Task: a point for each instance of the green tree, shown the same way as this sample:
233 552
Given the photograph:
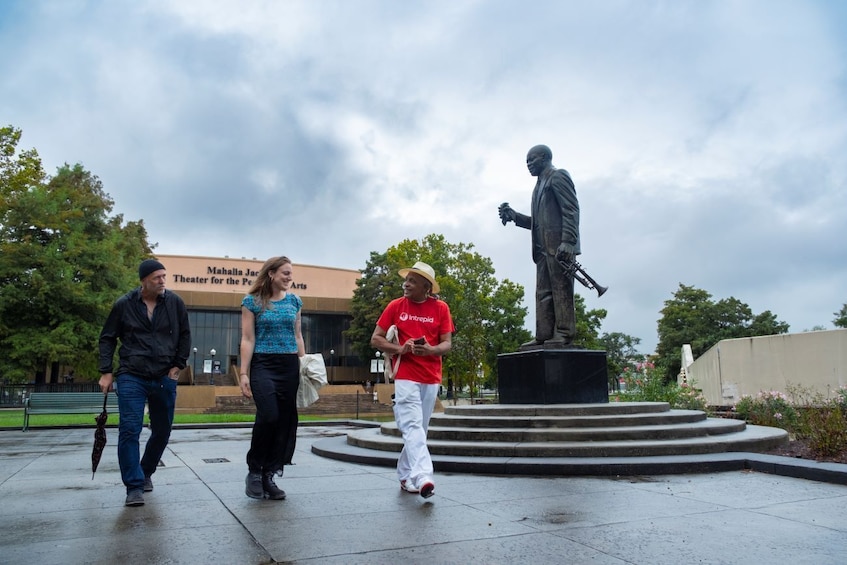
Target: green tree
840 320
505 328
377 286
63 261
621 353
588 323
692 317
767 324
488 315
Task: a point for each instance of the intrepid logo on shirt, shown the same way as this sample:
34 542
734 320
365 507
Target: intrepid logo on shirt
404 316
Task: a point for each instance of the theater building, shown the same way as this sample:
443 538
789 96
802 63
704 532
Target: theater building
213 288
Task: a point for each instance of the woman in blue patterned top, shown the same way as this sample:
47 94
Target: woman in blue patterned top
271 347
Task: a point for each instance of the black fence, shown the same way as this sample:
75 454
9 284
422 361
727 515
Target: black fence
12 396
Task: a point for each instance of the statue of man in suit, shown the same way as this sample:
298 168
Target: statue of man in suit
554 222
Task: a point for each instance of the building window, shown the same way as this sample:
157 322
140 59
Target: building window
221 331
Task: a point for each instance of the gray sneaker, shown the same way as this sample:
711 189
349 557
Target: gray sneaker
134 498
254 488
148 484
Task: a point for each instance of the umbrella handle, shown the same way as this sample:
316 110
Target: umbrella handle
105 398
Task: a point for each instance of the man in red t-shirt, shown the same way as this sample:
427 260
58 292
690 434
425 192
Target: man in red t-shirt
424 331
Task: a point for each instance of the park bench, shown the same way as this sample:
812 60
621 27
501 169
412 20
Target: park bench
67 403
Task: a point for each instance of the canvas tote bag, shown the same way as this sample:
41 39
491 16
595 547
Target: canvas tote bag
392 362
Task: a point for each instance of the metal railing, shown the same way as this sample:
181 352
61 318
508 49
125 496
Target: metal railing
13 396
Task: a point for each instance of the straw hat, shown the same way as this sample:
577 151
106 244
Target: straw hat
423 270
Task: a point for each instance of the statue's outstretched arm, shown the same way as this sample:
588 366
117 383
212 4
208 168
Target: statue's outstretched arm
507 214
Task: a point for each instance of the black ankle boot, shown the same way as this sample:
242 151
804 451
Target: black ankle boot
254 485
271 490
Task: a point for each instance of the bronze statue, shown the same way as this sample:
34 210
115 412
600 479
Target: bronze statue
554 222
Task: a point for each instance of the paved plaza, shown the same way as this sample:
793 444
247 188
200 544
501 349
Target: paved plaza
52 512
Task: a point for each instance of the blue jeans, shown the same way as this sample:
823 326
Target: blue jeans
133 392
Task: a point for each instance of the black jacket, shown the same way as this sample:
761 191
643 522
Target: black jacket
149 348
555 216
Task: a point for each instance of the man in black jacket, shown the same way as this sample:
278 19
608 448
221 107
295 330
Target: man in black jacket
152 326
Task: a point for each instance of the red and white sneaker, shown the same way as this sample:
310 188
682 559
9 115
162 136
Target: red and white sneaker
407 486
427 488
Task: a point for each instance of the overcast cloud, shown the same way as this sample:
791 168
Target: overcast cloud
707 140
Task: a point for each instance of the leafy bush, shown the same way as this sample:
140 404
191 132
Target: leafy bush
645 384
824 427
690 398
809 415
823 420
768 408
841 398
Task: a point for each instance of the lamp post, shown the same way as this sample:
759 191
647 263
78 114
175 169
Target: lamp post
331 366
376 378
212 377
193 365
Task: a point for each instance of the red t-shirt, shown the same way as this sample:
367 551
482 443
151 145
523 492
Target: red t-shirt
429 319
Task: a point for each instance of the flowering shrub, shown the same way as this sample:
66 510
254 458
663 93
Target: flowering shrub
645 384
841 398
825 427
768 408
690 398
823 420
809 415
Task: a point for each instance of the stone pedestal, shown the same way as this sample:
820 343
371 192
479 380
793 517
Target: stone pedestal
553 376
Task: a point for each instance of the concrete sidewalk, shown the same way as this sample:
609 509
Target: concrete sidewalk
51 511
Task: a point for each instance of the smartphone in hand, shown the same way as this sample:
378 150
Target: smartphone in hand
420 341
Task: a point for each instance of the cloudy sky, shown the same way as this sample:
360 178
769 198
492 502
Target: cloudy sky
707 139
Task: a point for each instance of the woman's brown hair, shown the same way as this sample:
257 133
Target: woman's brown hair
262 289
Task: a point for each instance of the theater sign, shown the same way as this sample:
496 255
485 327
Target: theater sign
228 275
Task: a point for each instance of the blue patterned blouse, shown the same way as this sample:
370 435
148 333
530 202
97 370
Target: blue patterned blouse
275 325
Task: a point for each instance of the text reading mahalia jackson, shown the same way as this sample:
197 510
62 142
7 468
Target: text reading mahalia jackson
218 275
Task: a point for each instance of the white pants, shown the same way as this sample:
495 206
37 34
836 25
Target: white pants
413 405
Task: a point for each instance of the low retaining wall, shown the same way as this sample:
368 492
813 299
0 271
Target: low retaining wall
195 399
335 400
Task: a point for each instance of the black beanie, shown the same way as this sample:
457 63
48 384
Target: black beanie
148 266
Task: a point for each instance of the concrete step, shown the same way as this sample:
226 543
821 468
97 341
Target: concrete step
339 449
480 434
703 427
584 421
234 404
751 438
557 410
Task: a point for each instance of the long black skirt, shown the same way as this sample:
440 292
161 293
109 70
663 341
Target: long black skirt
274 379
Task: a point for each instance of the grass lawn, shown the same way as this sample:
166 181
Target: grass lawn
15 419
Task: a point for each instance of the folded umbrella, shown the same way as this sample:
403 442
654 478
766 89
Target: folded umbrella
99 437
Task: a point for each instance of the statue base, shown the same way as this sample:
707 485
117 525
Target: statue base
553 376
